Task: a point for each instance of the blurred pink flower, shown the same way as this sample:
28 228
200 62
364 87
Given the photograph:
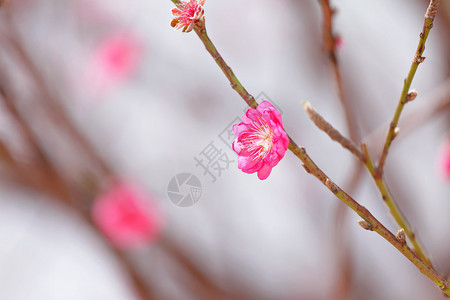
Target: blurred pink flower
444 160
260 140
187 13
113 60
126 216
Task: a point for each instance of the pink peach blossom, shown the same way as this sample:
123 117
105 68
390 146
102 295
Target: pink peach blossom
113 60
126 216
260 140
187 13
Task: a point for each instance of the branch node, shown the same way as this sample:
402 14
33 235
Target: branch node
432 10
401 237
306 169
365 225
331 185
411 96
419 59
333 133
445 286
396 132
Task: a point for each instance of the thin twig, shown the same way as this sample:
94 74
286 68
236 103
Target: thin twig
10 163
433 105
395 210
53 105
329 45
235 84
206 288
43 173
31 176
45 183
405 97
342 250
418 58
333 133
28 134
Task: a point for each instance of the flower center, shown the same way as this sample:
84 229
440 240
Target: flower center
259 141
190 10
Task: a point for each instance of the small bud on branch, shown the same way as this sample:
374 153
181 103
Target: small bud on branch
401 237
396 132
365 225
330 184
411 96
419 59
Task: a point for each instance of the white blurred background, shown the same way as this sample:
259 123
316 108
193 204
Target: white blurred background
273 239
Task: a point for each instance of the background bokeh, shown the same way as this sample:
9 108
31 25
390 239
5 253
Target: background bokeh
283 238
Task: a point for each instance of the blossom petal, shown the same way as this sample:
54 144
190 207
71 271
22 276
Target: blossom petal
247 165
239 128
237 147
251 115
267 106
125 216
264 172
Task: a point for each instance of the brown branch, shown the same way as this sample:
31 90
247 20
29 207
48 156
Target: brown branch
433 105
382 187
52 104
30 137
44 178
333 133
42 173
329 45
205 287
200 30
9 162
342 249
418 59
